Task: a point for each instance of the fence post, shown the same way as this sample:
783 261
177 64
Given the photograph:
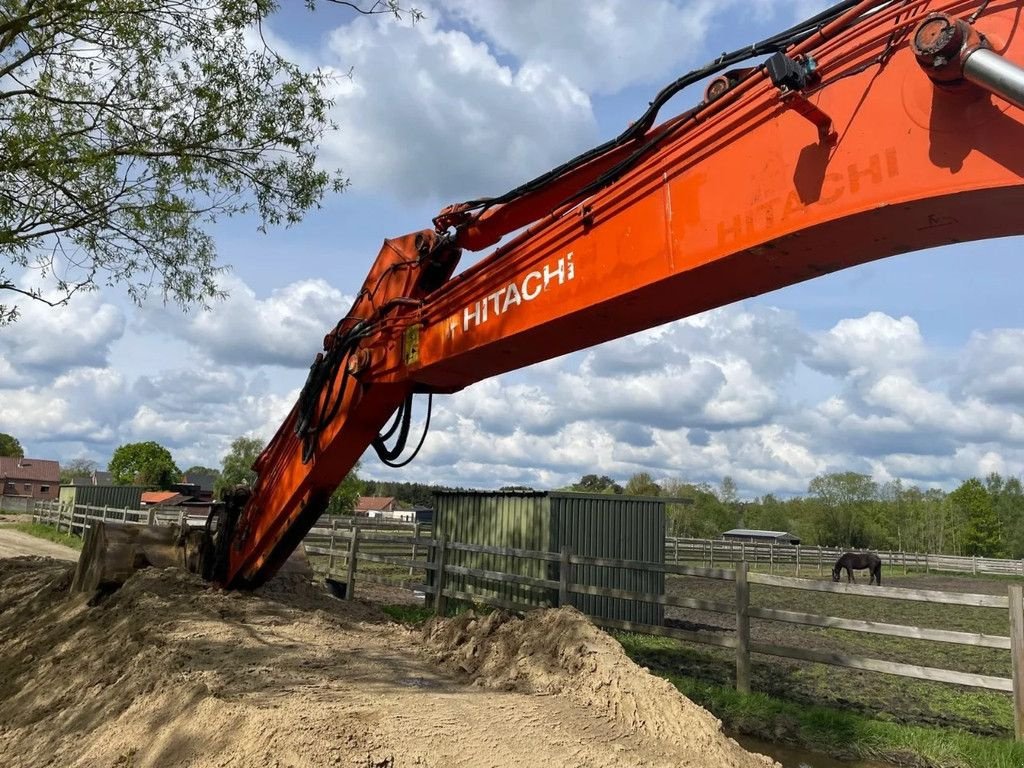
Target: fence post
350 578
771 557
415 538
974 564
819 559
151 516
798 561
711 554
563 577
742 629
440 601
330 556
677 550
1016 595
927 568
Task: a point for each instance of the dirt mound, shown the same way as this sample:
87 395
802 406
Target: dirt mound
560 651
171 672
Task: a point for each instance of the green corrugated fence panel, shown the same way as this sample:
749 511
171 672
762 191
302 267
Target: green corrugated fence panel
630 528
502 519
591 525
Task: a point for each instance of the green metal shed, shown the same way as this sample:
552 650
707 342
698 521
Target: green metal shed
591 525
113 496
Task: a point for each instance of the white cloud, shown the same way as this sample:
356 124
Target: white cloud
992 366
868 346
601 46
47 341
429 112
286 328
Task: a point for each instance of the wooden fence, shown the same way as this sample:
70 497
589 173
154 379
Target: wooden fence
771 556
678 550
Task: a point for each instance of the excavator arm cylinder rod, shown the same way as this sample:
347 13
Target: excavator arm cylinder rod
996 74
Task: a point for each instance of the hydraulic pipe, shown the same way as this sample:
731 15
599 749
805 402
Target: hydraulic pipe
996 74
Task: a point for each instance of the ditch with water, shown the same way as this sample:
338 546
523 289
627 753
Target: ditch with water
795 757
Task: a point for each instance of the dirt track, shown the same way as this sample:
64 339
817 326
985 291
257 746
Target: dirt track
172 672
15 544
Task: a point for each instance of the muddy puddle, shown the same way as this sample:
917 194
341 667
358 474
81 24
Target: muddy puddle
794 757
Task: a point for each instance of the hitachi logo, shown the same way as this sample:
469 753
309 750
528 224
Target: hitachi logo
514 294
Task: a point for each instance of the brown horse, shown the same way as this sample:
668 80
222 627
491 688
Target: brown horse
859 561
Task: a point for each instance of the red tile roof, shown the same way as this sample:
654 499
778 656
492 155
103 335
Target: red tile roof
374 503
166 498
42 470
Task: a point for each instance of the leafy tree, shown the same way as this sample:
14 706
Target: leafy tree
974 507
729 495
596 484
77 468
642 484
407 494
148 464
703 517
343 500
845 500
130 125
768 514
198 469
1007 497
9 445
236 466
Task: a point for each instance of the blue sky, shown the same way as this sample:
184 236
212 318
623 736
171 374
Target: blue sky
908 368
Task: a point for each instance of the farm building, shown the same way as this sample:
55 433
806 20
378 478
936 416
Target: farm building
749 536
374 506
591 525
29 478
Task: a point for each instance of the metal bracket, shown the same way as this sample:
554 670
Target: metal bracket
810 111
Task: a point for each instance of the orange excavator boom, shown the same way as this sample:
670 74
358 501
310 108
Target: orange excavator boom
876 128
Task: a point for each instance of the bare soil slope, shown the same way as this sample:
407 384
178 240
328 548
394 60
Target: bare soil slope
172 672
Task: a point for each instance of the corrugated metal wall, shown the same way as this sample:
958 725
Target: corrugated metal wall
593 525
113 496
521 520
602 525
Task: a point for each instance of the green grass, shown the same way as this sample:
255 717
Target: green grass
413 615
841 734
49 533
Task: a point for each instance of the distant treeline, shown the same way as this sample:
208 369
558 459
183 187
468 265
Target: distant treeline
842 509
981 517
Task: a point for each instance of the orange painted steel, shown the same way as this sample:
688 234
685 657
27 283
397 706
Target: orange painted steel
743 197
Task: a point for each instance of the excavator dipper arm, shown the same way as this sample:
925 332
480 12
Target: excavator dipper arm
888 127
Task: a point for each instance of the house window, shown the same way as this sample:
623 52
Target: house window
9 488
27 486
44 489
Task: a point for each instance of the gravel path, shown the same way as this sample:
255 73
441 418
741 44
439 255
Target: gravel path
15 544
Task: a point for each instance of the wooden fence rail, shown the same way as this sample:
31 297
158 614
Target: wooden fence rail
758 555
772 556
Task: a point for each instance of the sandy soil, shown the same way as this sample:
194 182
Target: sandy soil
170 672
15 543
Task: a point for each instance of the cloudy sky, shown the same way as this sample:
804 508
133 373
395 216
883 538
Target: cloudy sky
909 368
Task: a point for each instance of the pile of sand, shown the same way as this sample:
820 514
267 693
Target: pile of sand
170 671
561 652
